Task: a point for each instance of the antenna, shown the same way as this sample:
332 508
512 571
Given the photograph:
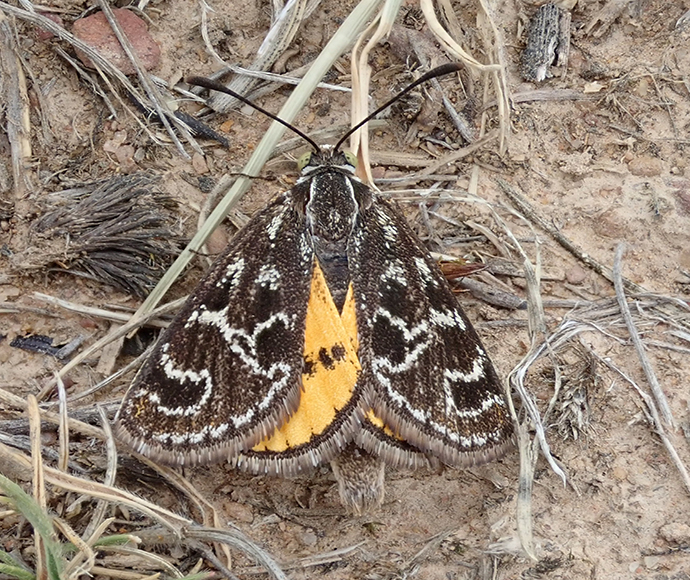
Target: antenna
216 86
439 71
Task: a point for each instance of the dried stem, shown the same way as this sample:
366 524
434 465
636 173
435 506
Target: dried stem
637 342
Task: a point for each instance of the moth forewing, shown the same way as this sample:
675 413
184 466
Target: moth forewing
430 378
227 371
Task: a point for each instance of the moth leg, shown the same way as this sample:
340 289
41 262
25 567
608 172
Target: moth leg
360 478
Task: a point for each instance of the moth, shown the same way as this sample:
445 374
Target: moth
325 332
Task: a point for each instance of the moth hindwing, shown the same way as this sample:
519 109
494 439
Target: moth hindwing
324 323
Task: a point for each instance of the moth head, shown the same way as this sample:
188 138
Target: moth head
327 157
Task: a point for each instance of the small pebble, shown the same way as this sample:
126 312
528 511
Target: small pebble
620 473
199 164
309 538
646 166
576 275
95 31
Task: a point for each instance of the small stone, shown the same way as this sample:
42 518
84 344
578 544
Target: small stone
646 166
199 164
226 126
95 31
676 533
611 224
125 157
593 87
309 538
9 291
217 241
575 275
620 473
140 155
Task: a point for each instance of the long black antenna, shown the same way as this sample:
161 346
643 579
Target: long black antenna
439 71
215 86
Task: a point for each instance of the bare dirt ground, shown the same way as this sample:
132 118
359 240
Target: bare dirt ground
609 166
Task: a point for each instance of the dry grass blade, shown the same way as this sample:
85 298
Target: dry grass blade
95 312
85 557
496 51
523 515
361 74
637 342
156 561
323 558
63 428
461 153
38 482
98 514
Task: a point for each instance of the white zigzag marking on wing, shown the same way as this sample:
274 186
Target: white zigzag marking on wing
274 226
448 318
440 318
390 232
182 376
250 359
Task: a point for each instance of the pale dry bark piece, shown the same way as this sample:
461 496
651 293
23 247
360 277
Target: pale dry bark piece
548 42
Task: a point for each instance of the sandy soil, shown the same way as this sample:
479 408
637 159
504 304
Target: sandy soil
604 169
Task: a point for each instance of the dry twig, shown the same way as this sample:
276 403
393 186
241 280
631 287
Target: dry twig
637 342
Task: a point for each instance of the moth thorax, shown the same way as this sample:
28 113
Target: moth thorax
331 214
331 209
